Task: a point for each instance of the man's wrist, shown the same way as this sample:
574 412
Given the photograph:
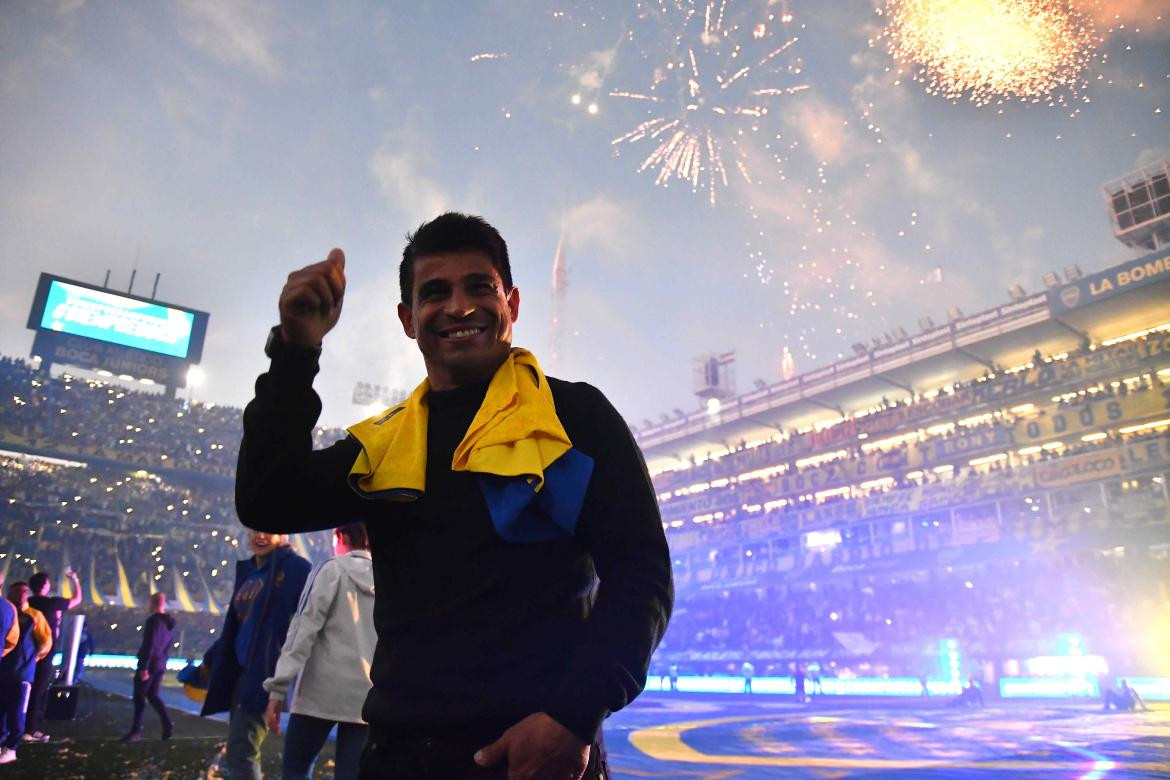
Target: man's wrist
278 347
585 727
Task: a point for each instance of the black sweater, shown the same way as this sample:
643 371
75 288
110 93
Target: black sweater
475 633
156 642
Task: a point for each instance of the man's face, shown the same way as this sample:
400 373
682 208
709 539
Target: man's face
18 595
461 317
262 543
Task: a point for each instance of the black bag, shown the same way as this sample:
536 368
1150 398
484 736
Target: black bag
62 703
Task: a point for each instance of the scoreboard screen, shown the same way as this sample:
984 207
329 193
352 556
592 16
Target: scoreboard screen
85 325
117 319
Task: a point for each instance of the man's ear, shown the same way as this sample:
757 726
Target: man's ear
514 302
407 320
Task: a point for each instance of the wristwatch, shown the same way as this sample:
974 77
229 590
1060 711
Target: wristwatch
276 347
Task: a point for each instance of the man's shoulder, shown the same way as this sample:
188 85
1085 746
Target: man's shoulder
294 561
568 395
594 426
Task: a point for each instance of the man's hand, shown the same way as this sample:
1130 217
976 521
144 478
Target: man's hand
310 302
272 715
143 675
538 748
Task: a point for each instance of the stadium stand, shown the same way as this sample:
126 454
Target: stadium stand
1004 511
1001 510
131 489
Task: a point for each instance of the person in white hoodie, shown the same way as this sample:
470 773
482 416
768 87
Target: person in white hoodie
328 652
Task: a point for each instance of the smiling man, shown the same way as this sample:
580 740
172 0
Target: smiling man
522 578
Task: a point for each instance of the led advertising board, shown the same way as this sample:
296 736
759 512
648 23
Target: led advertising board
84 325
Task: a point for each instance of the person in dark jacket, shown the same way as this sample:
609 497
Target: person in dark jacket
522 573
265 596
157 632
54 609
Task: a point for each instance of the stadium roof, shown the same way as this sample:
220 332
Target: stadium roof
1127 298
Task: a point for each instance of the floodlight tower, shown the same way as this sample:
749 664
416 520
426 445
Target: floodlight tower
1139 207
714 379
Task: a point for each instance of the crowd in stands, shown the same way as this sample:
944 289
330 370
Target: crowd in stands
900 494
94 419
898 416
95 518
1008 609
153 498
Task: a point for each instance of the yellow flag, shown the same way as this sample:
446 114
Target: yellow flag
212 607
124 584
66 583
94 594
181 592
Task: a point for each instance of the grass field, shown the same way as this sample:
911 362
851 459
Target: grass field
750 738
716 737
89 747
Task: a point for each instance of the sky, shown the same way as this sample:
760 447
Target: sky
223 145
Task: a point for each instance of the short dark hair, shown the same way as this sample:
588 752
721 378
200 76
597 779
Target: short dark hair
453 232
354 535
38 581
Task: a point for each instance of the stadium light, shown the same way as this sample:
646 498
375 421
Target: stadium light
1017 292
195 376
1051 280
713 406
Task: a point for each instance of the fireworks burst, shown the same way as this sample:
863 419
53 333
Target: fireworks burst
991 51
726 65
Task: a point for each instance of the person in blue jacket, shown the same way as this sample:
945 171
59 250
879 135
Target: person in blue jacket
17 669
9 625
267 589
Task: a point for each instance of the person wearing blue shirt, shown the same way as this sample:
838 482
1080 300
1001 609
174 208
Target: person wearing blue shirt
9 625
267 590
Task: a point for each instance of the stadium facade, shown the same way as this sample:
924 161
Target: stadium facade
1023 450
